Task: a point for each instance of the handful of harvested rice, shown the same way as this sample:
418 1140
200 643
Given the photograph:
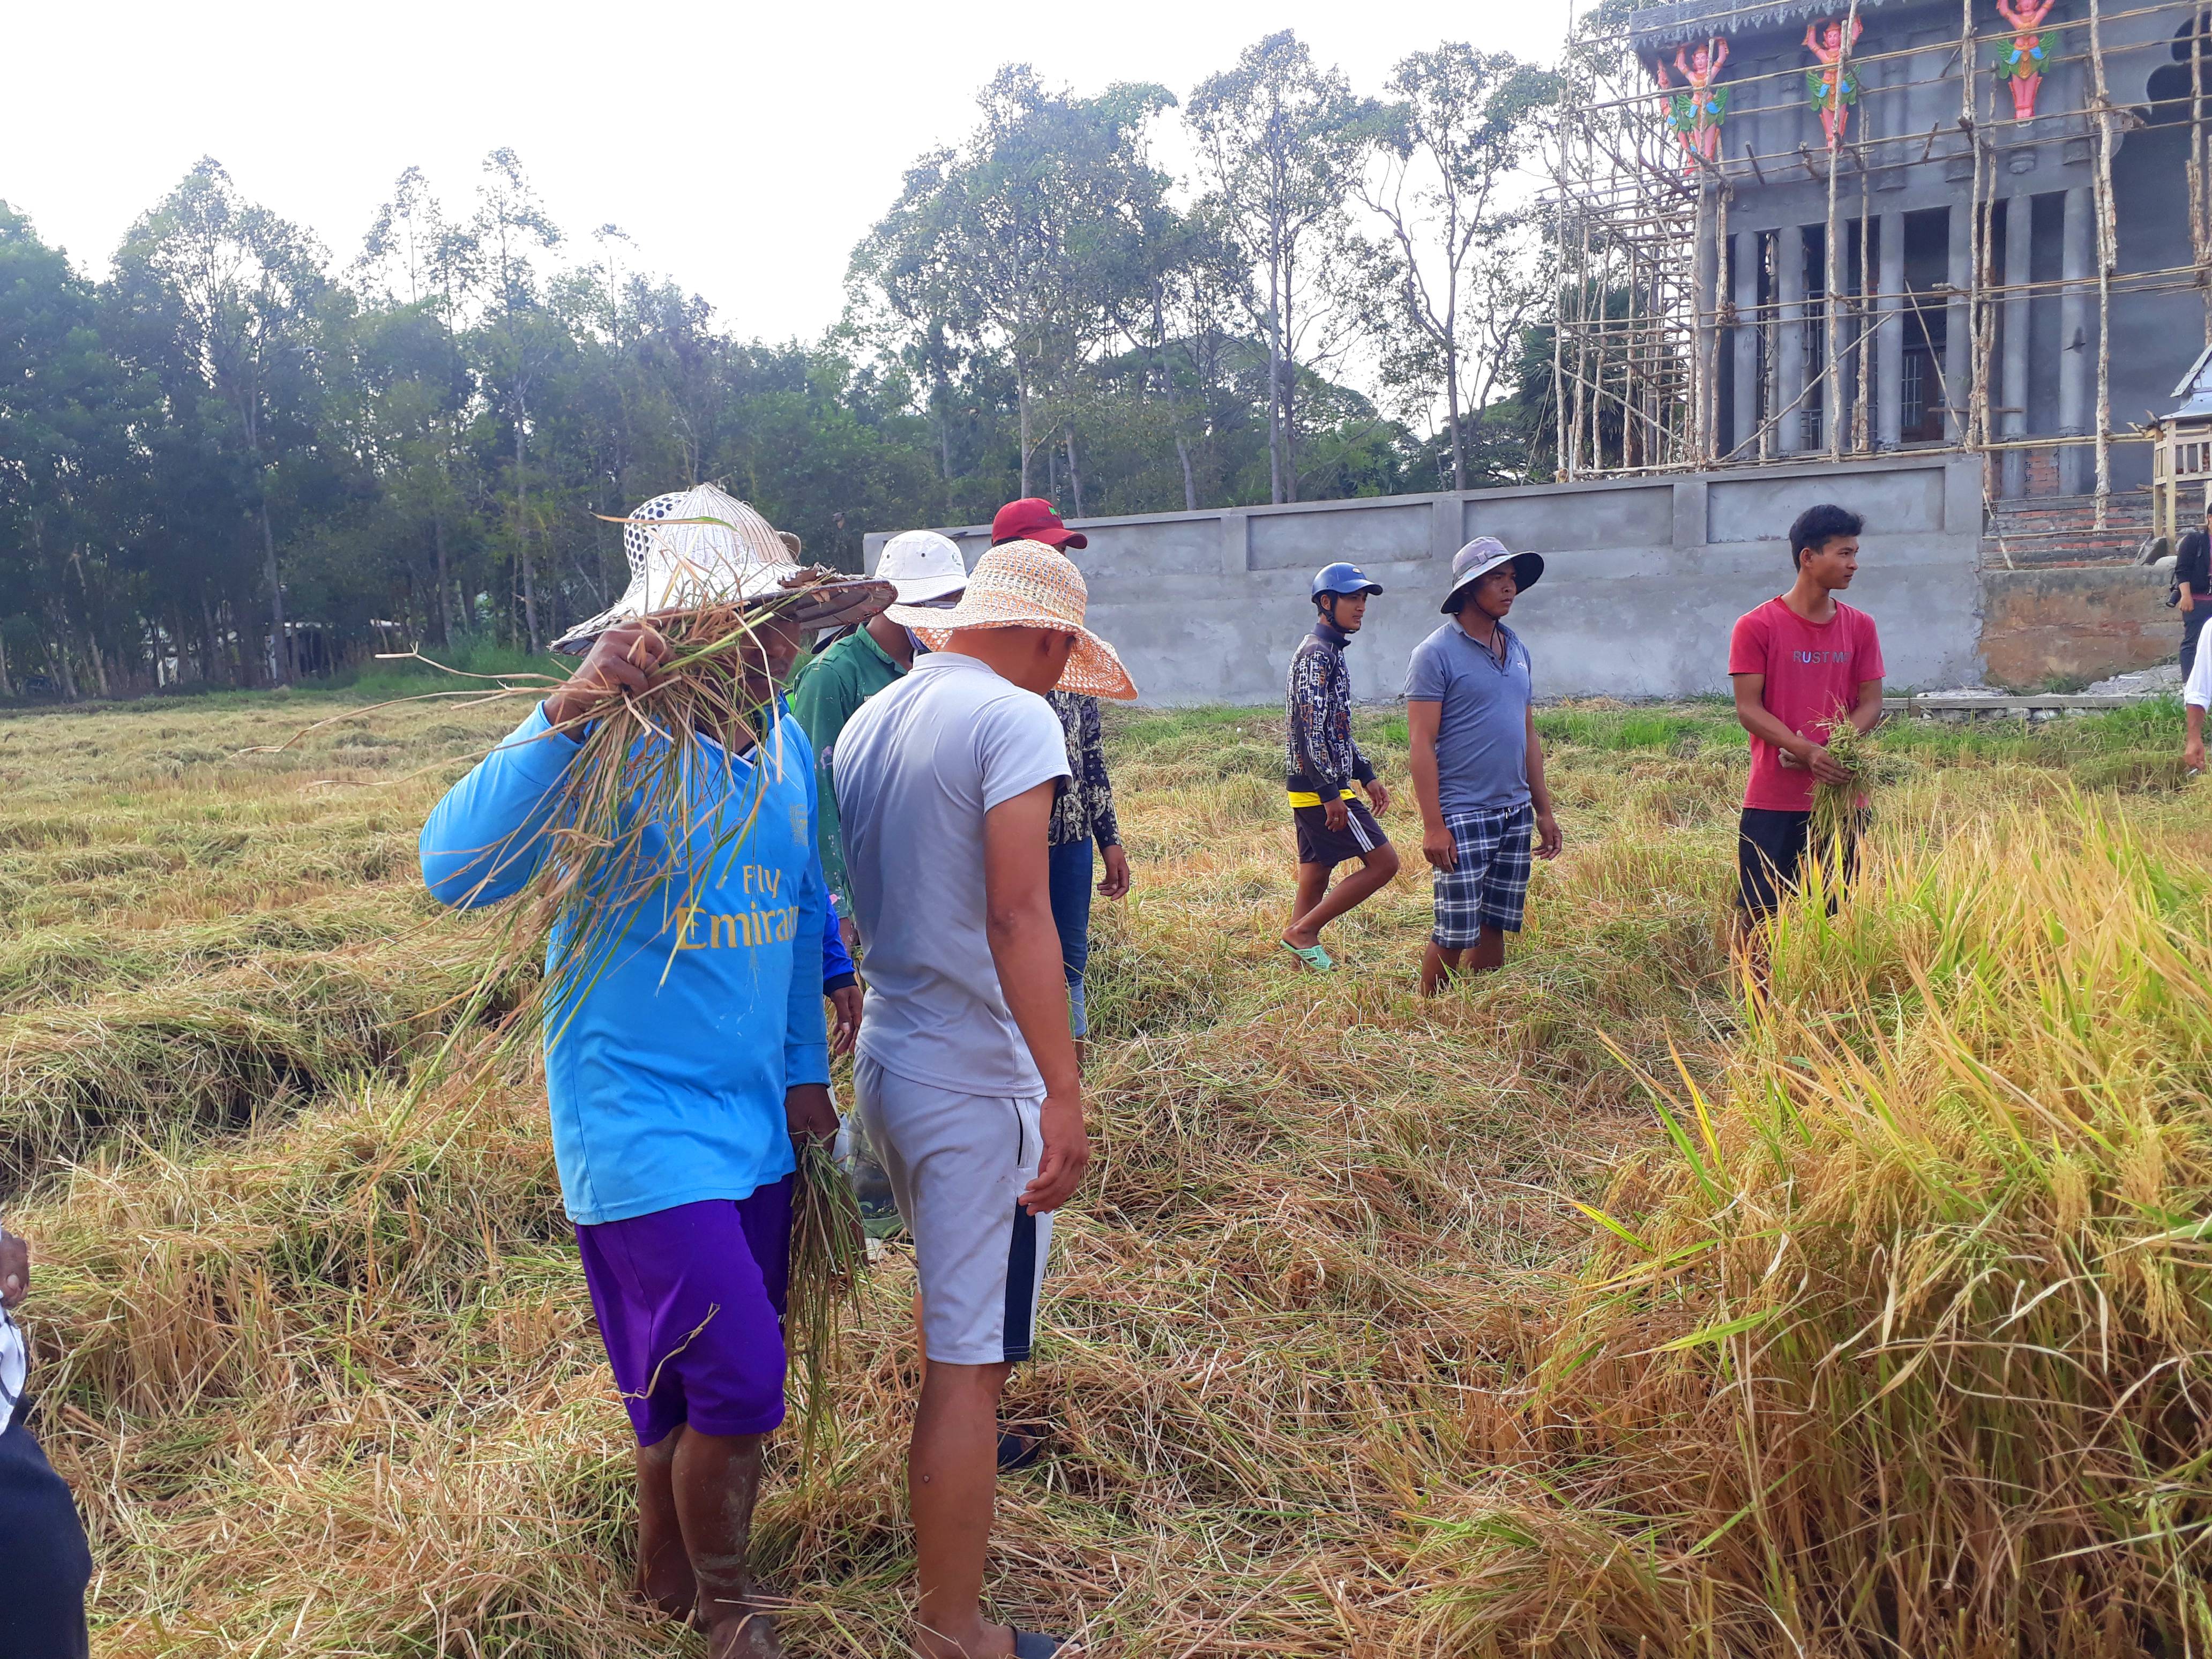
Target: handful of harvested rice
828 1256
1835 805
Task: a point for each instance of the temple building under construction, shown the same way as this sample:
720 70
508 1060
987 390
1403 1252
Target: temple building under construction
1944 262
1797 232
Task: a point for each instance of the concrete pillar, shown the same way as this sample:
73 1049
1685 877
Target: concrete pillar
2076 348
1693 514
1236 543
1745 343
1889 339
1789 345
2012 398
1959 325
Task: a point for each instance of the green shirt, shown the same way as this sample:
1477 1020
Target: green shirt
832 685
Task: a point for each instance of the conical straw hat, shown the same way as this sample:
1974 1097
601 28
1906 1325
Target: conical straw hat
1028 585
738 557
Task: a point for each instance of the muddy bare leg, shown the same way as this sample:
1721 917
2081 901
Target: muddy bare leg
1439 967
664 1571
717 1480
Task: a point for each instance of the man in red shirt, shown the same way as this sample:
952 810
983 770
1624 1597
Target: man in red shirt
1801 664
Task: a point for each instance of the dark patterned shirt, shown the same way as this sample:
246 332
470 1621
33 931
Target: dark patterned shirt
1086 806
1324 760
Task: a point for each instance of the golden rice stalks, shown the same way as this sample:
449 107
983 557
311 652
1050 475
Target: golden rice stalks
1899 1346
1835 805
828 1256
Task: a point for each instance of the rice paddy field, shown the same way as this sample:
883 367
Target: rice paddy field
1603 1307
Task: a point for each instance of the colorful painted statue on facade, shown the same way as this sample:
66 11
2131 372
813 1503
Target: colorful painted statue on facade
1831 87
1697 112
2021 61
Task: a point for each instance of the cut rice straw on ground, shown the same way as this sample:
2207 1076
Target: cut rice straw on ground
329 1384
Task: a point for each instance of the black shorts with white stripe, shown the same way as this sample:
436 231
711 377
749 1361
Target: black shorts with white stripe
1319 844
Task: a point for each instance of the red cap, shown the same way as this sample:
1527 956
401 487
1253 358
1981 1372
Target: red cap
1032 520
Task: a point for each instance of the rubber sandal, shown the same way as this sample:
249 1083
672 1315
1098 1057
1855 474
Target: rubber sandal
1033 1645
1313 956
1020 1446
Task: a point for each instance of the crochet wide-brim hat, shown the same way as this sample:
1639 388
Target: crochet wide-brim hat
704 546
1484 554
1029 584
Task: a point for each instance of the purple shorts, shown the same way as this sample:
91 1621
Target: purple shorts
691 1307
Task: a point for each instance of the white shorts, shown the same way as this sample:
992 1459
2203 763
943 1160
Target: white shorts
957 1163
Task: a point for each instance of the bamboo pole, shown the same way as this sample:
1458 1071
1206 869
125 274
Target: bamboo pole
1722 285
1862 432
1832 416
2200 212
1769 387
2107 256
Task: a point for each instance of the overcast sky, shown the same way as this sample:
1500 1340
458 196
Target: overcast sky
744 148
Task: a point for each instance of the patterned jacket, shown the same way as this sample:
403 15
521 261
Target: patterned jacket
1085 808
1324 760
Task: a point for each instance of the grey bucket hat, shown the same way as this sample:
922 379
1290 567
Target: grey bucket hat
1484 554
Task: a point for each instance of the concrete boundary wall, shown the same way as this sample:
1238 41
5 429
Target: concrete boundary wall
1643 578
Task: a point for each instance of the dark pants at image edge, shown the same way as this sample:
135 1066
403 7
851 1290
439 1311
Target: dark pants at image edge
1068 876
44 1563
1770 853
2192 624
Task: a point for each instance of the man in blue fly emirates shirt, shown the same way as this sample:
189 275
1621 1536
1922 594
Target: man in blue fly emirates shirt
680 1069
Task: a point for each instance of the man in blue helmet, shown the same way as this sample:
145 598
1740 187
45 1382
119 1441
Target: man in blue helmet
1334 826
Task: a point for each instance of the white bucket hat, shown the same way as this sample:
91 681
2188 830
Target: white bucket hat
1029 585
676 565
922 565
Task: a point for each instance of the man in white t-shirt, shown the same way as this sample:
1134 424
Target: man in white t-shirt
966 1072
2196 698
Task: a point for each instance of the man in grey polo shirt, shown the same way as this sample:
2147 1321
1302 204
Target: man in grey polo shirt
966 1072
1477 765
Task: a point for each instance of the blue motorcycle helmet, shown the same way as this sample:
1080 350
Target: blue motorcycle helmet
1341 580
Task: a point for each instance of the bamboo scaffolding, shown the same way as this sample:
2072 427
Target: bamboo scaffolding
1655 301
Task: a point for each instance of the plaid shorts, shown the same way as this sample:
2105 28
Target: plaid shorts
1491 886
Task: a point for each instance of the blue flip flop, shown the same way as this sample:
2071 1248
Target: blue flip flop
1313 956
1031 1644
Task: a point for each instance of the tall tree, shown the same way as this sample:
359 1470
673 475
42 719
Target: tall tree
229 290
416 269
66 459
1461 272
1280 142
510 229
1014 244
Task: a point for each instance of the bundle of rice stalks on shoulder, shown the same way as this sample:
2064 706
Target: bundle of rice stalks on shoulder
679 738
